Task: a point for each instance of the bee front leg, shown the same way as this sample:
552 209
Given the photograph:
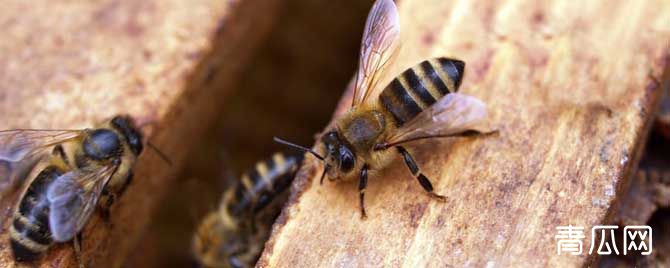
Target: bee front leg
362 184
126 183
106 206
76 242
110 198
323 175
423 180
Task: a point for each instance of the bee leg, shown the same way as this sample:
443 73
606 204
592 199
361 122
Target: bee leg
129 179
362 184
414 169
106 206
76 242
323 175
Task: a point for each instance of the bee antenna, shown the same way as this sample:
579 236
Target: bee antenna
301 148
159 153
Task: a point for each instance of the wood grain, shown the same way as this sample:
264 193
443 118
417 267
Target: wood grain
74 63
571 86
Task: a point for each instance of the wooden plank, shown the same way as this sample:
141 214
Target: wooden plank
571 86
72 64
647 202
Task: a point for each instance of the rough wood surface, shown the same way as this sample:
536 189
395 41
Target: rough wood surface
71 64
571 86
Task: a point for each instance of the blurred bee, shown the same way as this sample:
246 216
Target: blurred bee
663 116
72 171
419 103
234 235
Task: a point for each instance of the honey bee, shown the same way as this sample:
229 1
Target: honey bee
234 235
420 103
73 170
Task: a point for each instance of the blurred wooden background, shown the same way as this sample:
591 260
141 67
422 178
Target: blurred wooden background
289 89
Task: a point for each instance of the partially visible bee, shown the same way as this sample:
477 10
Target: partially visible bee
234 235
663 115
420 103
75 169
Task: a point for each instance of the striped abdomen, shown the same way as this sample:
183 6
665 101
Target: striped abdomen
29 233
258 187
419 87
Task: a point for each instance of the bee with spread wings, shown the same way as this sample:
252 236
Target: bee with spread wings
68 171
422 102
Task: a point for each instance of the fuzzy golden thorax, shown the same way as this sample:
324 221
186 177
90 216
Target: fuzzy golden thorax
350 144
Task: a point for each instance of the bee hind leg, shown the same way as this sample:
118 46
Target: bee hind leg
362 184
414 169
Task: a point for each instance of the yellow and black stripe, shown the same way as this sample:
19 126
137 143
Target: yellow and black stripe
419 87
234 235
259 186
30 235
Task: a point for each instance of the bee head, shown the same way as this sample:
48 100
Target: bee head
339 158
131 134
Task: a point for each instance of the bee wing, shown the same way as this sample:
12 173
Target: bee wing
380 42
20 149
19 144
73 197
12 174
452 115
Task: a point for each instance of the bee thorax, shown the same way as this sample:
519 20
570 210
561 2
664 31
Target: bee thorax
362 130
102 144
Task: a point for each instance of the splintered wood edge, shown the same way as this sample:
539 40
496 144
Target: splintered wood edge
176 128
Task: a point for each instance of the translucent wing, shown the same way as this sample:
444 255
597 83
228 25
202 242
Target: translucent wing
452 115
12 174
20 149
73 197
380 41
19 144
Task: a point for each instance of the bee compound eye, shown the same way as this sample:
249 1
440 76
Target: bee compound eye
131 134
346 159
330 138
